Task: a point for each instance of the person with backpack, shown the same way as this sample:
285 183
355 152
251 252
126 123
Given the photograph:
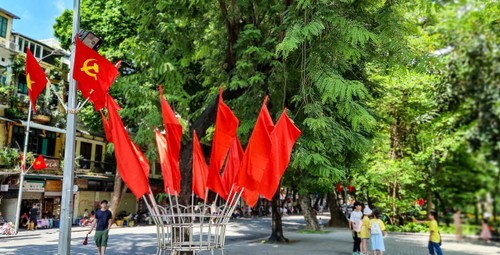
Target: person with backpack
377 233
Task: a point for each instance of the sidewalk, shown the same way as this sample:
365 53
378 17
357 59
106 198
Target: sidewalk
26 233
339 242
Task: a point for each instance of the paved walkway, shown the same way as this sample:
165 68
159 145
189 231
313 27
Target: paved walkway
244 237
339 242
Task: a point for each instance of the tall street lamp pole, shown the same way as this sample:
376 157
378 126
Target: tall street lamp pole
64 246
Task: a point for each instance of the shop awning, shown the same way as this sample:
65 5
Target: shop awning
43 176
44 127
96 177
5 119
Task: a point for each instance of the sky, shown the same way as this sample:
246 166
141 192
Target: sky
36 16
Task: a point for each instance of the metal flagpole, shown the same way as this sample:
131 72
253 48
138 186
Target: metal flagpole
64 246
21 179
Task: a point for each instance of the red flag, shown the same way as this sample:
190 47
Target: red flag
226 125
107 130
283 138
94 74
257 153
233 164
21 159
128 162
166 169
173 130
39 163
250 197
200 169
142 159
35 78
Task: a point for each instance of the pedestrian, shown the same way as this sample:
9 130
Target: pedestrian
485 231
434 245
365 230
458 224
33 218
25 220
377 232
102 224
355 226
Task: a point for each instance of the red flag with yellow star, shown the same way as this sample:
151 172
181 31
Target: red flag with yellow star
35 78
39 163
94 74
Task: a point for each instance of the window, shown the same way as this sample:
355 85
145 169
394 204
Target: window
3 27
49 143
20 44
32 47
17 137
98 152
38 51
21 84
86 153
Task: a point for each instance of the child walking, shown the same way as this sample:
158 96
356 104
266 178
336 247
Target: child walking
365 230
355 226
377 233
434 237
485 231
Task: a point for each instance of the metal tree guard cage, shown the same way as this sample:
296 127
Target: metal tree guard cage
200 227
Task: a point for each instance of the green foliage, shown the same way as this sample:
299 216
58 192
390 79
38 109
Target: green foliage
10 158
409 227
398 98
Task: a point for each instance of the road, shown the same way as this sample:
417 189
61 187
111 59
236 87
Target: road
244 237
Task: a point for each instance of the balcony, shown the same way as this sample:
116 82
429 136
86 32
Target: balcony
90 167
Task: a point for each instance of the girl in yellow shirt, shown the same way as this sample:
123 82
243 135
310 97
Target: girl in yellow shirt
365 230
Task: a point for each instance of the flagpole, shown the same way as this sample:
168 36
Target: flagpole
21 179
64 246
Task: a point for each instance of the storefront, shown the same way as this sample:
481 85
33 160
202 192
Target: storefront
52 199
32 195
92 190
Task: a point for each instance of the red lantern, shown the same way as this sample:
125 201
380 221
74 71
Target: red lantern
339 187
420 202
351 189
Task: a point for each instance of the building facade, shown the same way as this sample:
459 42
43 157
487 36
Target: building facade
94 175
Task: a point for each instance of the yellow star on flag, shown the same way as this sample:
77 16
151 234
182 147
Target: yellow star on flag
29 81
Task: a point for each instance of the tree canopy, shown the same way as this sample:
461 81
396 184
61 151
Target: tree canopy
399 99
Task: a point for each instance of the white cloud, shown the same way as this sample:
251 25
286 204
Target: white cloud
25 15
60 5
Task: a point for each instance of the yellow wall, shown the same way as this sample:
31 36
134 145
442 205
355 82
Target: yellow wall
87 200
94 147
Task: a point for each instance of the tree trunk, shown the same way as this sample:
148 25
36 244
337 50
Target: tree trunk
337 217
309 213
393 200
119 190
277 224
429 202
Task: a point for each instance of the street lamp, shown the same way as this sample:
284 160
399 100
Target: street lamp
90 39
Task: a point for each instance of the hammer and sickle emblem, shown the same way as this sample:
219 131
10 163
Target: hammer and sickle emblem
87 69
